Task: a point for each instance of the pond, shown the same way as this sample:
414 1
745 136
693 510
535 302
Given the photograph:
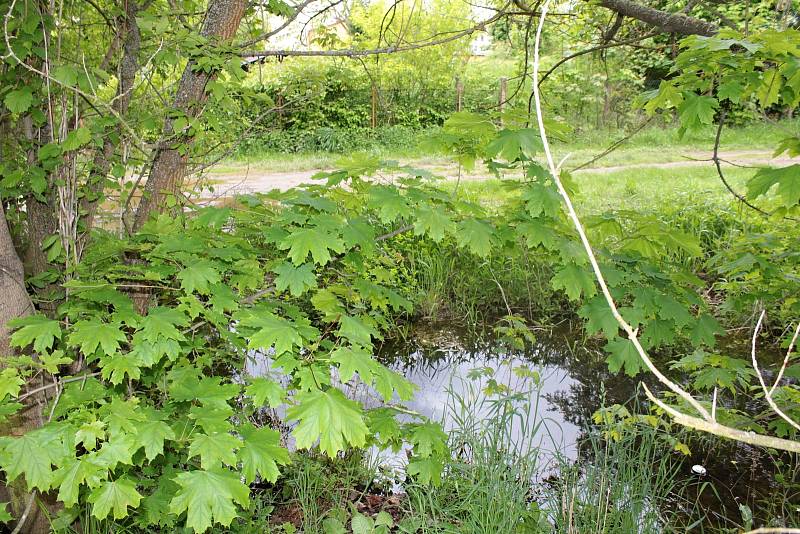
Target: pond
566 381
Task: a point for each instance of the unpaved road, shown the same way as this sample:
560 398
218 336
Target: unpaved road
259 181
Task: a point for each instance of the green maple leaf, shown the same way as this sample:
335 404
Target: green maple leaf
697 110
428 439
10 383
574 280
296 279
264 391
540 199
89 433
36 329
511 144
90 334
214 449
391 205
352 360
28 455
669 308
704 330
208 497
119 450
223 298
71 477
434 222
115 368
151 435
426 470
387 382
199 277
383 424
5 515
314 241
787 179
536 233
273 331
330 417
477 236
358 330
599 317
261 453
711 377
622 353
114 495
160 322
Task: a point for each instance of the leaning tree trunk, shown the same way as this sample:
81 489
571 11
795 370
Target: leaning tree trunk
169 166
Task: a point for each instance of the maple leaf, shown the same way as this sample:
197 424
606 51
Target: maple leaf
434 222
273 331
264 391
540 199
296 279
352 360
116 495
697 110
314 241
599 317
477 236
261 453
669 308
391 205
536 233
330 417
622 353
428 438
89 433
207 497
72 476
358 330
36 329
426 470
198 276
28 455
115 368
90 334
160 322
214 449
387 382
10 383
787 178
511 144
704 330
151 435
574 280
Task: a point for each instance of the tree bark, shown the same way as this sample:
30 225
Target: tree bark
169 166
667 22
128 67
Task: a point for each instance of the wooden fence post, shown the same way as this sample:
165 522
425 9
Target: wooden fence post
459 94
503 97
374 116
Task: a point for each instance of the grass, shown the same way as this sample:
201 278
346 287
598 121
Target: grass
656 144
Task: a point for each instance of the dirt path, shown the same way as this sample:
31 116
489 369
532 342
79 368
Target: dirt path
259 181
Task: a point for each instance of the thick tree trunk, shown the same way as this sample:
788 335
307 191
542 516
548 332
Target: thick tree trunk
169 166
14 303
128 67
667 22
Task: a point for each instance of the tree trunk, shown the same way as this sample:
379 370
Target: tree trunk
128 67
16 303
169 166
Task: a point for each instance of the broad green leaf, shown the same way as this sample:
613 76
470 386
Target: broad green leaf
622 353
198 276
433 222
19 100
261 453
151 435
208 497
117 367
697 110
70 478
10 383
704 330
361 524
387 382
512 144
391 205
787 179
476 235
90 334
358 330
89 434
273 331
28 456
36 329
574 280
428 439
426 470
265 392
313 241
331 418
114 495
599 317
214 449
296 279
352 360
541 200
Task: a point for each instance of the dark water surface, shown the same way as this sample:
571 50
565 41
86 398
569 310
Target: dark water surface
574 382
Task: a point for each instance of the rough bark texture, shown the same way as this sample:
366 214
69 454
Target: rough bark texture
169 166
128 67
668 22
14 303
